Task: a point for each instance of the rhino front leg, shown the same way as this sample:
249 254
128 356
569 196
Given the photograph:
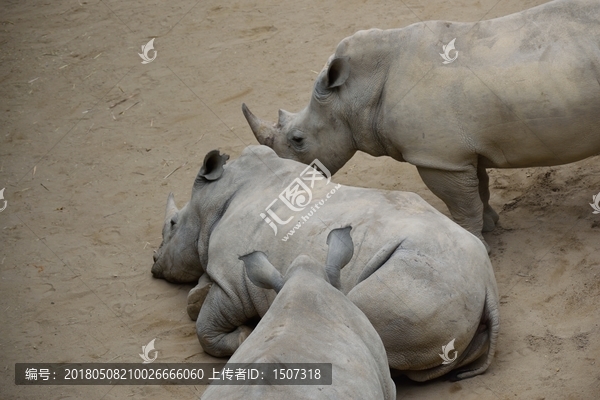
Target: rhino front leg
490 217
220 344
221 325
460 191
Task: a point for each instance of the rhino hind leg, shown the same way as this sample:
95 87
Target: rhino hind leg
197 296
474 352
478 355
460 191
490 217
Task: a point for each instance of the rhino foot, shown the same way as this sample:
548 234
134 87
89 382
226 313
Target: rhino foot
243 333
490 218
489 223
197 296
220 344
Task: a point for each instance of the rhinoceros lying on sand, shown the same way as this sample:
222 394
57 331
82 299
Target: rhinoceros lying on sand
310 321
523 92
420 278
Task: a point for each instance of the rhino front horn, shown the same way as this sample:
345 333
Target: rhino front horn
263 131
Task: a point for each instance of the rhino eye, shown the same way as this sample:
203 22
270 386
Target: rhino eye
298 138
173 220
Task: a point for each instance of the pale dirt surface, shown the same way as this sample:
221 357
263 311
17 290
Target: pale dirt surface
86 190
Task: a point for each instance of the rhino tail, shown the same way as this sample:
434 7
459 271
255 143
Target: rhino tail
486 337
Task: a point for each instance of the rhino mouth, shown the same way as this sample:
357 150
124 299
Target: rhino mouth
175 275
157 270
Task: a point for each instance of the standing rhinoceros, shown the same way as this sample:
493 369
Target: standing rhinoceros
310 321
421 279
524 91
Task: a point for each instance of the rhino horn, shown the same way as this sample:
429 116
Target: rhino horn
264 132
341 249
171 207
284 117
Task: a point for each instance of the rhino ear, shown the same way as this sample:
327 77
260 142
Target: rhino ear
171 209
338 71
261 272
341 250
212 168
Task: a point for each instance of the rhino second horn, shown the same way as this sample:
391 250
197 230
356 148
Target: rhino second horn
171 207
284 117
263 131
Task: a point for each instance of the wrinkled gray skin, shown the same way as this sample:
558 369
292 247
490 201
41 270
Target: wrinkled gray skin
523 92
310 321
420 278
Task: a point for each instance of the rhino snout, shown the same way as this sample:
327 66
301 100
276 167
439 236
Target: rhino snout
156 269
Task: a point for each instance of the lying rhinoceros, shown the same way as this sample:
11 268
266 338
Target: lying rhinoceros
523 91
421 279
310 321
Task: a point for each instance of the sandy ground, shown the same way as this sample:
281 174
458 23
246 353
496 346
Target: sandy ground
89 135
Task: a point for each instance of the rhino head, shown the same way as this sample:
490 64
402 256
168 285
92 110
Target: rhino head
179 257
320 131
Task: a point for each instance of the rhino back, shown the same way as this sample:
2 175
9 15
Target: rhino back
376 217
437 270
528 78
